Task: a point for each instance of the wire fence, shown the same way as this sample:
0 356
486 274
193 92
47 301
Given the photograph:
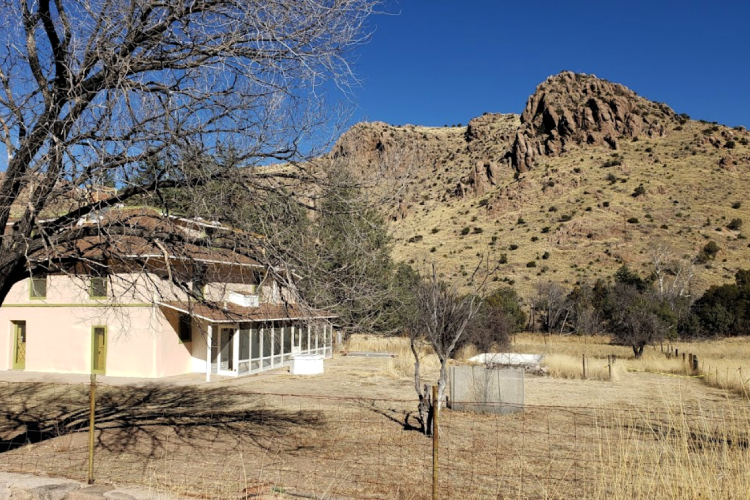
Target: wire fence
224 442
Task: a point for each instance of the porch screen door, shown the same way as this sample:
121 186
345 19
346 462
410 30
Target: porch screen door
227 349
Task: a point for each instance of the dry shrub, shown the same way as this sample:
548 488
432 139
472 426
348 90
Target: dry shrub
465 352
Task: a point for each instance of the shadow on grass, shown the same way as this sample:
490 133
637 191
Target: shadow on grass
398 416
140 419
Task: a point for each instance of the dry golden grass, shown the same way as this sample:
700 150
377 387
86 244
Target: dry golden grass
321 446
401 364
722 363
566 366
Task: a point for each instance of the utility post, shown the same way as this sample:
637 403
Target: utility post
92 413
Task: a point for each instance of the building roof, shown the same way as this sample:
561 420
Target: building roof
232 313
153 235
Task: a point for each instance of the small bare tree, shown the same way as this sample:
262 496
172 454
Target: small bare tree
442 318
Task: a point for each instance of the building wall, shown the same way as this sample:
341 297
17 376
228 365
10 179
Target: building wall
142 339
141 342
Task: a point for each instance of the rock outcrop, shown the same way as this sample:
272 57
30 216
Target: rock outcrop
579 109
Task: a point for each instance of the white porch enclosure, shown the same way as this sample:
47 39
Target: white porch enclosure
241 340
246 348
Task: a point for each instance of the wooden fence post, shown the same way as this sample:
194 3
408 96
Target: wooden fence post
92 412
583 359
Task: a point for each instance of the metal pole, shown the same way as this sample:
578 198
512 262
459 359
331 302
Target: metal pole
435 441
92 410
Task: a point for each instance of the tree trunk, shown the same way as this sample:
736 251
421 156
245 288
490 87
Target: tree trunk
423 408
638 351
441 383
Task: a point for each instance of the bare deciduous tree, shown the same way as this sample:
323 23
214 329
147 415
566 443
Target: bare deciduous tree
91 90
673 276
442 317
549 301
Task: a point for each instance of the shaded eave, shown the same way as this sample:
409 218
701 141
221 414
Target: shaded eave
232 313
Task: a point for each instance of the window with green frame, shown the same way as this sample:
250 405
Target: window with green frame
38 288
98 288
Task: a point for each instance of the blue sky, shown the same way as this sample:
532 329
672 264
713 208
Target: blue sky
446 61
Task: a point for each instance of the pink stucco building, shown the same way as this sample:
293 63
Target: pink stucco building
140 317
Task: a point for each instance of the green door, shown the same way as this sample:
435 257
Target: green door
99 350
19 345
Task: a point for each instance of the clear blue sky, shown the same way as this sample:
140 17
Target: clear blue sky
446 61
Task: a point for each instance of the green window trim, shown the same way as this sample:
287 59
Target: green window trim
35 287
96 286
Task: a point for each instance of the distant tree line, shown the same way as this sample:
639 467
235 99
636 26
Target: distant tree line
639 311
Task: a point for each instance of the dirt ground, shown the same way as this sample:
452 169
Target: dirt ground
351 433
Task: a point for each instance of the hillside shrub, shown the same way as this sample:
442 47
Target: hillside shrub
513 246
633 220
614 162
735 224
465 231
737 204
708 252
531 264
503 258
639 191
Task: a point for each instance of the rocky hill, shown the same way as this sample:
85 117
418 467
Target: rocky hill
590 176
574 108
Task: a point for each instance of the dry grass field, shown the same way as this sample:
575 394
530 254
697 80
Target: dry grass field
349 433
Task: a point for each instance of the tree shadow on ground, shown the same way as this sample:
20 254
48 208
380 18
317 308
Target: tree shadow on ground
140 419
401 417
